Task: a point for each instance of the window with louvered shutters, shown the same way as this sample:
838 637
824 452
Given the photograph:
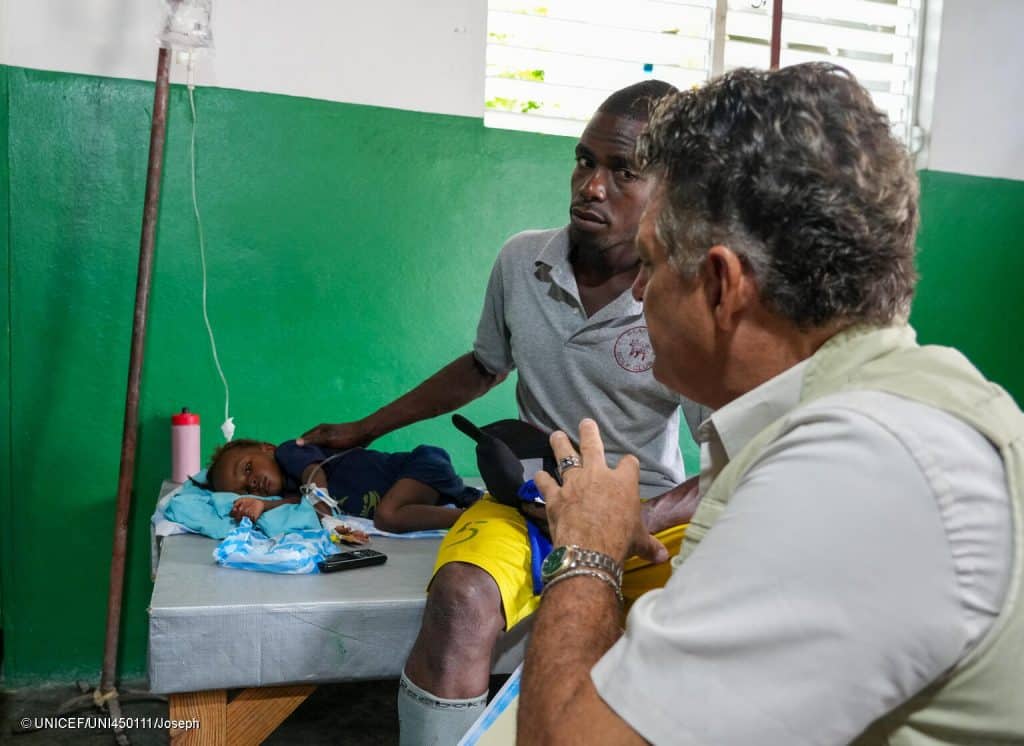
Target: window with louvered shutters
876 40
549 64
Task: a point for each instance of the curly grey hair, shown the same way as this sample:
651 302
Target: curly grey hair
797 172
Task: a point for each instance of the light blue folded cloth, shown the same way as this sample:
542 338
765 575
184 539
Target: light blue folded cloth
293 552
294 517
208 513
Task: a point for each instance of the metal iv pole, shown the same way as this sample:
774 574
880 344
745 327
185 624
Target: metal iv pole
776 42
106 696
151 209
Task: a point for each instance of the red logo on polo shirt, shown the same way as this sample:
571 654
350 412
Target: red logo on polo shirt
633 350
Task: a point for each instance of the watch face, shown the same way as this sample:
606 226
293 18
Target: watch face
553 562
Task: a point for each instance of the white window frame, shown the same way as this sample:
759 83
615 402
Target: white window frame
922 82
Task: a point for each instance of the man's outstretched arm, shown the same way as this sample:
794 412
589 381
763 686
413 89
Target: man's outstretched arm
577 623
458 383
579 618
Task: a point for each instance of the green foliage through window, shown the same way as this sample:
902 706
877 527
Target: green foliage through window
502 103
536 76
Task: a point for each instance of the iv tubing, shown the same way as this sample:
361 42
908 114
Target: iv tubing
202 240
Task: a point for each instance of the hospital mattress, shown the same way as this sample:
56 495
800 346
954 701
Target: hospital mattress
212 627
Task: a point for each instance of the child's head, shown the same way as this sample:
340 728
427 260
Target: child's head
247 467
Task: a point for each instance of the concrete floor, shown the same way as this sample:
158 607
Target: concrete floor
353 714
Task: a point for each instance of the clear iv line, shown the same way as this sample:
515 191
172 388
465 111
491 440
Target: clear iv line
228 428
314 493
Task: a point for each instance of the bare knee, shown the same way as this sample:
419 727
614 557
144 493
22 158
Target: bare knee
464 604
461 622
385 518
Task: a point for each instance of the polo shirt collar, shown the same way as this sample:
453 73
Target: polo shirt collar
556 251
555 256
739 421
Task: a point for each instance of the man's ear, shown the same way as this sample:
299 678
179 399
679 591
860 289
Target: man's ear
729 286
268 447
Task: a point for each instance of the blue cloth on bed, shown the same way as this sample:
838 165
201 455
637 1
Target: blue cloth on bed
294 517
202 511
291 553
208 513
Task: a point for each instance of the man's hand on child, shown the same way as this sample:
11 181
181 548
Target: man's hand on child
248 507
341 436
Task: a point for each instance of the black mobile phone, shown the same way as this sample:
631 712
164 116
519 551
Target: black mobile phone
355 558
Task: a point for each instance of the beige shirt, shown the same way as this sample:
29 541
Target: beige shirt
892 564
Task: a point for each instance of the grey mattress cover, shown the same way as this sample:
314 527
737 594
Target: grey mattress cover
212 627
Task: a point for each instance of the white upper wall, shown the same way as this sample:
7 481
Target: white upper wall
3 32
979 90
429 56
424 56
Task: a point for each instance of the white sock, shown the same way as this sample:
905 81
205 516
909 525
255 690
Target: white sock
426 720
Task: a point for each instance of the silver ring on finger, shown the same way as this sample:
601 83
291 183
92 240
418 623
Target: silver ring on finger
569 462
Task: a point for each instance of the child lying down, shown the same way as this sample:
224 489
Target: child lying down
401 492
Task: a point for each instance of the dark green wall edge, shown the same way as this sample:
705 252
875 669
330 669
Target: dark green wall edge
348 251
5 348
971 262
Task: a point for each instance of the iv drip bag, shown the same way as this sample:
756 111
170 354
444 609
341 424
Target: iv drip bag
187 24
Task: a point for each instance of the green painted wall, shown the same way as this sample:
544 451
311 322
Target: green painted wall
348 249
5 351
971 262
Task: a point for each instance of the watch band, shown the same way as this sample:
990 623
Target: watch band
565 558
587 572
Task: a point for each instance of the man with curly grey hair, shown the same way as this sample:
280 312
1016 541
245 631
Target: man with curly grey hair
855 568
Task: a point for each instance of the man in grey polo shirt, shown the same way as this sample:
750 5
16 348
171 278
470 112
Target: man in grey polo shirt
572 363
558 308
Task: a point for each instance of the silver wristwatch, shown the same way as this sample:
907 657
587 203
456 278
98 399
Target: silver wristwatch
565 558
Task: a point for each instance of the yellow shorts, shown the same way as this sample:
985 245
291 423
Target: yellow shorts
493 537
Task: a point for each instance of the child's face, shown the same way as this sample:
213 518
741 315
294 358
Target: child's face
250 470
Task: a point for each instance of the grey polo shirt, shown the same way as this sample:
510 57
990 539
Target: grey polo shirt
571 366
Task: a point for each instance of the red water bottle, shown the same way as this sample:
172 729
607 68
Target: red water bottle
184 445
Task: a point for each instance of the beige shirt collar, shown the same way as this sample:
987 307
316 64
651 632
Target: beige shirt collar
736 424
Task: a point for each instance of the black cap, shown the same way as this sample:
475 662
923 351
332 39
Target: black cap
501 448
